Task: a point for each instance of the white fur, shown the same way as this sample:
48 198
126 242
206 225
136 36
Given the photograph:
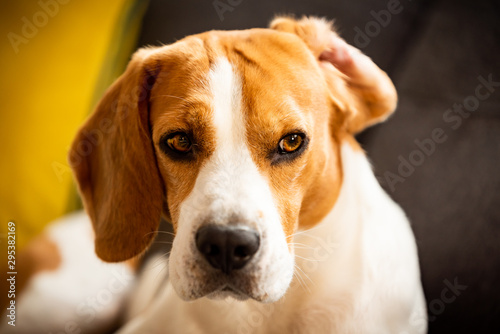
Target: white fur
358 274
82 293
363 264
151 282
230 190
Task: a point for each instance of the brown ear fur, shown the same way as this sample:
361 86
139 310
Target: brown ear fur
115 166
356 84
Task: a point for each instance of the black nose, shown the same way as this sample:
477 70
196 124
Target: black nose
227 247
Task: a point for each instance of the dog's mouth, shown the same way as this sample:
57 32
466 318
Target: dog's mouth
239 285
229 289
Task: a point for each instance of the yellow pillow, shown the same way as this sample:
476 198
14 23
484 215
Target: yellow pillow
56 59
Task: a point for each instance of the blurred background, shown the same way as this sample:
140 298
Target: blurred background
438 156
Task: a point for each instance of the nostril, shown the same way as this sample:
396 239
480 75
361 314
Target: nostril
241 252
210 249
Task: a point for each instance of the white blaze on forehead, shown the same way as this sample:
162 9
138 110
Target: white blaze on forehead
225 87
230 175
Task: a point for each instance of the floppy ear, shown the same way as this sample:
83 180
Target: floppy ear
356 84
115 166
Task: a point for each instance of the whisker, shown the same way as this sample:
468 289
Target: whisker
163 242
160 272
303 272
304 231
162 257
161 261
158 231
297 233
166 232
175 97
304 258
301 280
299 245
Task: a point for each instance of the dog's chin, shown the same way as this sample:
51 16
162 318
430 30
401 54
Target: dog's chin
228 292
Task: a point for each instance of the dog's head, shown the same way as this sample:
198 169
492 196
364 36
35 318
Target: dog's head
234 137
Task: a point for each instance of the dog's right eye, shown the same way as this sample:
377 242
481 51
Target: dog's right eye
177 144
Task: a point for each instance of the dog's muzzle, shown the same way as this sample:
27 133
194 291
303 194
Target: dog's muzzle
227 248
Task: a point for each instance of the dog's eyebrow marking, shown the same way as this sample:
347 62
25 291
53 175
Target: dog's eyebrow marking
226 89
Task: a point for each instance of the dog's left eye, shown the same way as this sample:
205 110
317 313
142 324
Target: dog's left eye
290 143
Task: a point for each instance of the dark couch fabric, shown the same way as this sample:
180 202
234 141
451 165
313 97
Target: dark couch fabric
439 155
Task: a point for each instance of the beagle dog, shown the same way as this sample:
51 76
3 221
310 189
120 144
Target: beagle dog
244 141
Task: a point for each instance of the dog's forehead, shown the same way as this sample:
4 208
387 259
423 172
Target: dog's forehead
279 76
270 51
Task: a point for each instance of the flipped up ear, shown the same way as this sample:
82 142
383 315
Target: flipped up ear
114 164
356 84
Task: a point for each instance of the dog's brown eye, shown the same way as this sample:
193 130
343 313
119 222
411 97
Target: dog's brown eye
291 143
179 142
